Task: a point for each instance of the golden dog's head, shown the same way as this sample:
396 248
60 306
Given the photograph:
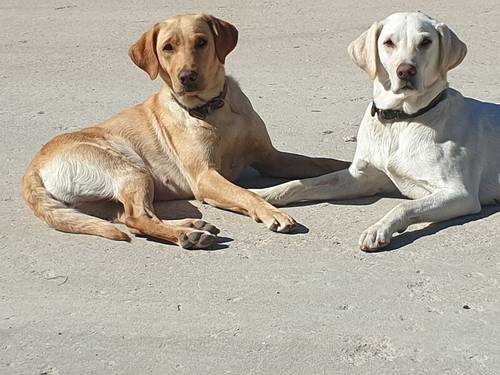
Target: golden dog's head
188 52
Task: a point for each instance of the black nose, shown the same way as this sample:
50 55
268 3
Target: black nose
406 71
188 77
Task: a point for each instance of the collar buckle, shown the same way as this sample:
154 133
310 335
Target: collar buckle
389 114
198 113
216 103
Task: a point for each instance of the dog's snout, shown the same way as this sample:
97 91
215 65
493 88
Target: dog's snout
187 77
406 71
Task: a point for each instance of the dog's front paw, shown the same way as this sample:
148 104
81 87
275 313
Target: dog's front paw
276 220
375 237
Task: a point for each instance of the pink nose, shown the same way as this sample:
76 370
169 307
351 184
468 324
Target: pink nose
406 71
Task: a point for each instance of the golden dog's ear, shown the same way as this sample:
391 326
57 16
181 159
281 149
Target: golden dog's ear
143 52
364 50
452 49
225 36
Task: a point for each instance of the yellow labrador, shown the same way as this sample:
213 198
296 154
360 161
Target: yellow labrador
417 136
190 140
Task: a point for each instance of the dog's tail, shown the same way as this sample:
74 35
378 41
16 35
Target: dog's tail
61 217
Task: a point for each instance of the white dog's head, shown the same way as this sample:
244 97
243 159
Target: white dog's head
407 52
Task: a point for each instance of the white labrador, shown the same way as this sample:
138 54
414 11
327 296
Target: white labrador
417 136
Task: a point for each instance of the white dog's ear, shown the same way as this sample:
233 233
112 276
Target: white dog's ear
452 49
364 50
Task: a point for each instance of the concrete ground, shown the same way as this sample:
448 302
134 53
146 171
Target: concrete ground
263 303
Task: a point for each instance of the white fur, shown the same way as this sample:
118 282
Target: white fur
446 160
71 181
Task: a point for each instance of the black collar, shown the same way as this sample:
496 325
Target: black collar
204 110
393 114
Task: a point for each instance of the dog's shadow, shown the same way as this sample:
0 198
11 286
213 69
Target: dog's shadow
252 179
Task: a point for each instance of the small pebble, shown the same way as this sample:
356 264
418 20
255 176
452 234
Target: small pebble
350 139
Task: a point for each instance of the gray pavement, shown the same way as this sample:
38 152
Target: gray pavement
264 303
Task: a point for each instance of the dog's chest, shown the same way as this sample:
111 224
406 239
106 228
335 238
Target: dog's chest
194 148
409 178
407 154
234 150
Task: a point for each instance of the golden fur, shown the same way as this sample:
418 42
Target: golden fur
157 151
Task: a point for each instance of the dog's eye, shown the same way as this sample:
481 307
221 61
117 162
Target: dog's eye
425 42
201 43
389 43
168 48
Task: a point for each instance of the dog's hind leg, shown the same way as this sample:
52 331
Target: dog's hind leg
52 184
136 192
62 217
